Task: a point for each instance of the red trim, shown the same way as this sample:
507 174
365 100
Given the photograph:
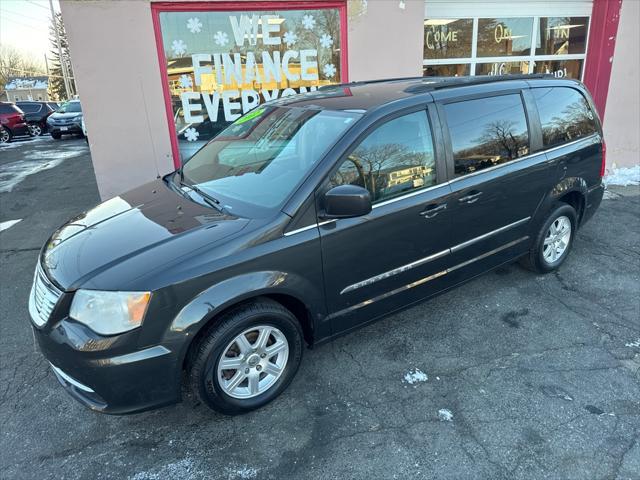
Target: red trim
602 42
158 7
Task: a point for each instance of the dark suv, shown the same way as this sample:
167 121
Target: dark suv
306 218
12 122
36 114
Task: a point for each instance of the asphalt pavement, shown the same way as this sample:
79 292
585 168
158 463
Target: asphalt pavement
511 376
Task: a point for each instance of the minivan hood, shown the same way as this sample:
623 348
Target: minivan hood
132 234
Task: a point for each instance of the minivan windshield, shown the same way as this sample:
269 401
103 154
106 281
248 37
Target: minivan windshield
253 165
70 107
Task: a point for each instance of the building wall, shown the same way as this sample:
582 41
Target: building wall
34 94
622 115
118 78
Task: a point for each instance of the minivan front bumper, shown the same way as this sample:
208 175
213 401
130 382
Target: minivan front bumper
111 383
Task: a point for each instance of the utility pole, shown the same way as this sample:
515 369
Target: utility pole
63 63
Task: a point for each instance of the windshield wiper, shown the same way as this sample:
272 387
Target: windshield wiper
210 200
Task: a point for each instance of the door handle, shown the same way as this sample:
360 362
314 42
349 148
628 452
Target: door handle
432 210
471 197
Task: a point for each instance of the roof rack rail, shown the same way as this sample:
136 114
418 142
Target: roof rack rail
368 82
445 82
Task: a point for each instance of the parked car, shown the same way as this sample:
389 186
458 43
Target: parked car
54 105
67 120
12 122
307 218
36 114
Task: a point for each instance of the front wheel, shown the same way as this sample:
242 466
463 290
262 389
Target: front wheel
56 136
554 240
246 358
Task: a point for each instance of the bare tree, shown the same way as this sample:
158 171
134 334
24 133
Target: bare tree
15 63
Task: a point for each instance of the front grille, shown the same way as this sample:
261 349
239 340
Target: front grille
44 297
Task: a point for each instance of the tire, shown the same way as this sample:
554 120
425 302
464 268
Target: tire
35 129
543 258
56 136
5 135
213 385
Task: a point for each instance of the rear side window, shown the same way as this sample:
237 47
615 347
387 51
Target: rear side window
7 108
564 114
30 107
487 132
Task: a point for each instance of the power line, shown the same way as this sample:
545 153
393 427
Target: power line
35 74
37 5
20 15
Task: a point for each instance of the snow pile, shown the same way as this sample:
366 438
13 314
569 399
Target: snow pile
623 176
415 376
633 344
242 473
445 415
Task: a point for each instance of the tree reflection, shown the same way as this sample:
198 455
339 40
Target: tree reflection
575 121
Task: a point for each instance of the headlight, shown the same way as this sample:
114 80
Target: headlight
109 313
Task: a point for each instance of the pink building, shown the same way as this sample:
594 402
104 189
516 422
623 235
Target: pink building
159 79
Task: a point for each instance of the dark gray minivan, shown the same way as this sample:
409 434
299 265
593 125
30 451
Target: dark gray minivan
306 218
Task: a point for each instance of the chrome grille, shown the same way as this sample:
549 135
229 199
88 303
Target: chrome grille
44 297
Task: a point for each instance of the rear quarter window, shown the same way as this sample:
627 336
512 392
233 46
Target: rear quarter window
565 115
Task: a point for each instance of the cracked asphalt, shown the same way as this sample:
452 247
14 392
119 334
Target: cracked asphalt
540 373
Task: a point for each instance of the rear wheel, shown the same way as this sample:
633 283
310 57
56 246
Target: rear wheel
35 129
247 358
554 240
5 135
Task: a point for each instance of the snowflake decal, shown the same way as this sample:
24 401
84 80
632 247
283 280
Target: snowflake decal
185 81
191 134
179 47
308 22
329 70
194 25
290 38
325 40
221 38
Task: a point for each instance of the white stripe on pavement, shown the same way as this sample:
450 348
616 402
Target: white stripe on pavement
8 224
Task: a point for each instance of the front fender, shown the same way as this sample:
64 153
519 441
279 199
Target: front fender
217 298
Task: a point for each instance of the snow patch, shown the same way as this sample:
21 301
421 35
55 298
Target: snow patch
8 224
181 469
415 376
242 473
445 415
623 176
14 173
630 344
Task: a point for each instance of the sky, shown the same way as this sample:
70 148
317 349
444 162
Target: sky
24 24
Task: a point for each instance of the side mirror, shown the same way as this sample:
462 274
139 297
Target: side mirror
346 201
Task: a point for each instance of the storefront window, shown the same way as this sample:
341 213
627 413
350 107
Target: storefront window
562 35
222 64
448 38
559 68
498 37
503 46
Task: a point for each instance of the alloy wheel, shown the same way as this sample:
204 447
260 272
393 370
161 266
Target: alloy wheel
556 239
4 135
35 129
253 362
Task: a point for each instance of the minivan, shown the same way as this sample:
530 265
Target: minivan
307 218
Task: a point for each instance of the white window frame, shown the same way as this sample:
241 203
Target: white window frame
531 58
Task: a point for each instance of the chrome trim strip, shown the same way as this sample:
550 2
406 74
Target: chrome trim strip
309 227
425 279
422 261
69 379
409 195
395 271
462 245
